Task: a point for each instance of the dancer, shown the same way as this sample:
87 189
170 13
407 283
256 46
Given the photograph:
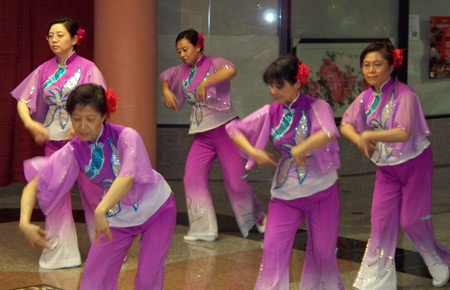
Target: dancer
387 124
136 199
305 185
41 104
204 82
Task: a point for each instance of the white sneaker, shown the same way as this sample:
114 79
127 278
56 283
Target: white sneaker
261 224
200 238
440 274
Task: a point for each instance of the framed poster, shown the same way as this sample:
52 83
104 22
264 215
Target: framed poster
439 47
335 74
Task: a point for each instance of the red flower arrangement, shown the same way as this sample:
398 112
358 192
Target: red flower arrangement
398 57
201 40
111 102
303 73
81 33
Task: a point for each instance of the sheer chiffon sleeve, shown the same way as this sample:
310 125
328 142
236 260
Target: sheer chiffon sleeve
219 95
219 62
28 91
355 115
56 176
255 127
409 116
134 163
174 78
96 77
323 120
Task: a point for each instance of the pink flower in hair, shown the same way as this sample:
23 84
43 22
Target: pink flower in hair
201 40
303 73
81 33
398 57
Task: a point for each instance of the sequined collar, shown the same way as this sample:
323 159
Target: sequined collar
67 61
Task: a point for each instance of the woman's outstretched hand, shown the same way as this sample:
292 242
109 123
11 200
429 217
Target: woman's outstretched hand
170 100
35 235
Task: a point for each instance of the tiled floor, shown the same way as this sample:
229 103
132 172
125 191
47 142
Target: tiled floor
231 262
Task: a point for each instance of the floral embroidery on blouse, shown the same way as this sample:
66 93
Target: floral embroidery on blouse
191 98
301 133
375 124
285 124
191 75
115 169
97 160
55 77
373 107
197 111
115 162
58 99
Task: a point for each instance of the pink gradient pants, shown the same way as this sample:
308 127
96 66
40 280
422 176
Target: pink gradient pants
60 223
204 150
320 270
401 198
105 260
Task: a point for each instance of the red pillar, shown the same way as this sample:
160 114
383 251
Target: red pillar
125 50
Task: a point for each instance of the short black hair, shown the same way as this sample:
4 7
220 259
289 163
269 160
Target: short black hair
385 48
70 24
87 95
284 68
191 35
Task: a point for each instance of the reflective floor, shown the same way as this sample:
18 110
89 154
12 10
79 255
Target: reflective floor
231 262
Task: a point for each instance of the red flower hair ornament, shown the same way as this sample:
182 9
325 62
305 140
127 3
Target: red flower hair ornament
398 57
201 40
303 73
81 33
111 102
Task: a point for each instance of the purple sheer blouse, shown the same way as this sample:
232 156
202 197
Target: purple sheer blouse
218 96
118 151
288 126
46 89
398 107
217 108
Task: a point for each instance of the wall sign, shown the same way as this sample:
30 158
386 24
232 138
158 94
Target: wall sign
439 47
